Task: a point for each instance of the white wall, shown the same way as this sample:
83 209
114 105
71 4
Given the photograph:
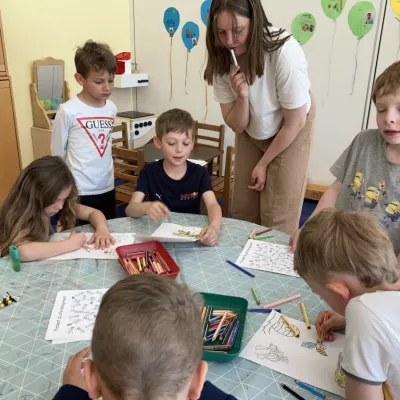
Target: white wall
339 115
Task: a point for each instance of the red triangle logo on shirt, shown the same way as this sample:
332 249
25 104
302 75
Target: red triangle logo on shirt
99 131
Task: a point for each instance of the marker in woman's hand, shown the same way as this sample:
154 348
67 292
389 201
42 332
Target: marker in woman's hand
234 59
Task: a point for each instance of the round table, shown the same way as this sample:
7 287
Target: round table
32 368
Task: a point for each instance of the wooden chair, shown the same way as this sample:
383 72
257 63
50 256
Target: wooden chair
124 140
127 165
223 186
211 141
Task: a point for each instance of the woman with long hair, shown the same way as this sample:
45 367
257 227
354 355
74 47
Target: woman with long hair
42 200
266 100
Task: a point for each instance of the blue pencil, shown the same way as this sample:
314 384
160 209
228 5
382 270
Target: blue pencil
264 310
310 389
240 269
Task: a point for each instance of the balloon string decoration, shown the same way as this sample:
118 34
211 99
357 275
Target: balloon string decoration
170 69
190 38
186 73
206 93
355 68
330 59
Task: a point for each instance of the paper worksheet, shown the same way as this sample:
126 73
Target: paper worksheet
73 316
174 233
304 358
267 256
90 251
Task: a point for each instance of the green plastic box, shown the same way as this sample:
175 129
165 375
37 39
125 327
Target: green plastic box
239 306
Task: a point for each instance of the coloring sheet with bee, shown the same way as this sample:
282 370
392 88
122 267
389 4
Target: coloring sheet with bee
174 233
73 315
304 357
267 257
90 251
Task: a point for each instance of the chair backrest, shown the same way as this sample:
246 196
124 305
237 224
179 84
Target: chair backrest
124 140
210 140
228 181
127 163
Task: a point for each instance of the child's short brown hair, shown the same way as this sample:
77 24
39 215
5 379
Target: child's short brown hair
334 242
147 340
175 120
387 82
94 56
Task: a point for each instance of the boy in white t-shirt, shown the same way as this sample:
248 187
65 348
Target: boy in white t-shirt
347 258
83 125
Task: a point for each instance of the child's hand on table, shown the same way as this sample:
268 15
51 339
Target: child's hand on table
72 374
334 322
78 239
102 239
209 235
157 210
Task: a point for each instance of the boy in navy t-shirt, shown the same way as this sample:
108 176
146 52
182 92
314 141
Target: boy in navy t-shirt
173 183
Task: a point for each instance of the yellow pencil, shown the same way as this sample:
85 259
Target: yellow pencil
139 263
253 233
284 319
304 311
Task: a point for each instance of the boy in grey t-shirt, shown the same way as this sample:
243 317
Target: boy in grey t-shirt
368 172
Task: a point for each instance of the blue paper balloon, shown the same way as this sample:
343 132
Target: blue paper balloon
190 35
204 11
171 20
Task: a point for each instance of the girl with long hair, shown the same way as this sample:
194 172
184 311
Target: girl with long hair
45 191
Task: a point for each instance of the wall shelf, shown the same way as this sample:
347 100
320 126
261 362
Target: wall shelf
131 80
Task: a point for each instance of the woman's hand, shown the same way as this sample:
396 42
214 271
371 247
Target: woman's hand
239 84
258 178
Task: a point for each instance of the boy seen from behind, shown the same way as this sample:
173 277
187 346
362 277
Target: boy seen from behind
347 258
82 128
175 184
147 344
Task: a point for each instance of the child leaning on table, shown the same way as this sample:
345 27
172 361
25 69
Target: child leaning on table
147 344
42 199
174 183
347 258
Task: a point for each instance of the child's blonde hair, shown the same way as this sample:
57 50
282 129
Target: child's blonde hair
387 82
147 340
37 187
334 242
174 120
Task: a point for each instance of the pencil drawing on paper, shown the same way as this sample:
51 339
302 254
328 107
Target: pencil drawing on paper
340 377
321 349
276 324
82 312
187 234
267 257
271 353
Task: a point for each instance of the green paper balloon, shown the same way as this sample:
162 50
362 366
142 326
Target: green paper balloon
303 27
333 8
361 18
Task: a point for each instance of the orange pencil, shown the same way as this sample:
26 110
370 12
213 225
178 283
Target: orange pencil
216 333
253 233
163 261
326 317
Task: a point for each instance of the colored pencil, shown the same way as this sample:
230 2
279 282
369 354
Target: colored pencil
292 392
315 392
261 237
288 324
203 313
255 296
217 347
234 333
262 232
252 233
282 301
326 317
304 311
214 338
240 269
263 310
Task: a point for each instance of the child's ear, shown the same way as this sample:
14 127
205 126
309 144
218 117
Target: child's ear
157 142
199 376
79 79
91 379
340 289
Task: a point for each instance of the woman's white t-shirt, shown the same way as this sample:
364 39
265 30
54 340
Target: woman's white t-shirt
284 84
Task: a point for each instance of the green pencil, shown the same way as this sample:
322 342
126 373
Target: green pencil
262 237
255 296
